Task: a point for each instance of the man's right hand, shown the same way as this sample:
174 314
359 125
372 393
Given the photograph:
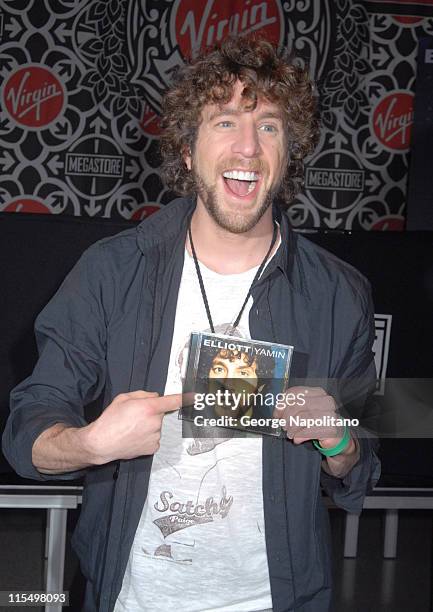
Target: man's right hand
130 426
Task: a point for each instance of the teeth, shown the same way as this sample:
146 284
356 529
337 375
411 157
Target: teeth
251 187
241 175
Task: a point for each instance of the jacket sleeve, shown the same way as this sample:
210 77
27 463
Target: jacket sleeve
355 383
70 371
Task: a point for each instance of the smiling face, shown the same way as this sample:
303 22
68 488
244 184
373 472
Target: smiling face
238 160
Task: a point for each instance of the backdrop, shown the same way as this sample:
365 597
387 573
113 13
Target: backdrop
81 84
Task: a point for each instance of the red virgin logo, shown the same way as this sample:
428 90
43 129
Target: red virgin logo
27 204
399 9
150 122
407 20
392 223
393 120
142 212
33 96
202 24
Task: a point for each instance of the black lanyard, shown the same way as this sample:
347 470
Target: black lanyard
203 291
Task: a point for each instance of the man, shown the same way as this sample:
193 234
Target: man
167 522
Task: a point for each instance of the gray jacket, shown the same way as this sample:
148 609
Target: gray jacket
108 330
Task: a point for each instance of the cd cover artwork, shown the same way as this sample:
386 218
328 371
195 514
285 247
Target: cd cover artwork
234 383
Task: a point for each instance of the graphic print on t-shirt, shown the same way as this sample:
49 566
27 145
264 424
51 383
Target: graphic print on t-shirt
180 514
173 513
189 514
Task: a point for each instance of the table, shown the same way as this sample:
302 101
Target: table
390 499
57 500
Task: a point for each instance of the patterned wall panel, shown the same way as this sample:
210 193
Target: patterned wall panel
81 83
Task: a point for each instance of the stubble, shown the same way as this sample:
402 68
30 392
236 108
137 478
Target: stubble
236 222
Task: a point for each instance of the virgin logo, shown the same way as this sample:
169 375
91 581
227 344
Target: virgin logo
393 223
150 122
199 25
393 119
33 96
407 21
142 212
27 205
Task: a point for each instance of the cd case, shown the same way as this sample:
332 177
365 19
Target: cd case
234 383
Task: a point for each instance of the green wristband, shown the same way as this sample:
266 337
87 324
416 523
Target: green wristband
335 450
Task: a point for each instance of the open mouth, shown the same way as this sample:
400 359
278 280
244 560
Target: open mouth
241 183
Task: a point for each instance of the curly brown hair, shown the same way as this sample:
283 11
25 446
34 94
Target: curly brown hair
265 72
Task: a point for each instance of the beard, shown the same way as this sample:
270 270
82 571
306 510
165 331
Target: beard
236 222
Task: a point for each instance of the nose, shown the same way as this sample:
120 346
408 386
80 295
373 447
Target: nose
246 142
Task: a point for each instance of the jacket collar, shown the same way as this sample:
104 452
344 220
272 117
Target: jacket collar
166 224
284 257
170 222
286 260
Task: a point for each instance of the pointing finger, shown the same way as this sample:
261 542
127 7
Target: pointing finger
307 391
168 403
140 394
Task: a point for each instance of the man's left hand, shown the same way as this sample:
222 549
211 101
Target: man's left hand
315 404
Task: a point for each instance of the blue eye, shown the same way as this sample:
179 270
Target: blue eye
225 124
268 128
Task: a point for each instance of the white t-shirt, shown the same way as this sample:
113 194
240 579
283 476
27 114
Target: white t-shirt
200 542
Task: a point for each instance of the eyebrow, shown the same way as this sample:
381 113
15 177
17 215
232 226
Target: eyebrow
236 112
221 363
218 362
